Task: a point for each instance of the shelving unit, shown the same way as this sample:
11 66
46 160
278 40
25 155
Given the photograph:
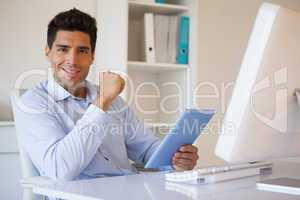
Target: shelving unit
138 8
158 92
155 67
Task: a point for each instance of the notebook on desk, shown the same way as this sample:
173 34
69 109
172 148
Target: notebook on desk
186 131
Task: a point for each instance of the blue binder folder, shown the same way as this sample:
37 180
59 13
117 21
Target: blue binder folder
186 131
183 40
160 1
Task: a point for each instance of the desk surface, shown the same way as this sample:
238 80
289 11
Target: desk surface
153 186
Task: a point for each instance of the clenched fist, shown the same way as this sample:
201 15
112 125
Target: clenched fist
110 86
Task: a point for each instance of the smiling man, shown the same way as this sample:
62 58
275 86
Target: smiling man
74 129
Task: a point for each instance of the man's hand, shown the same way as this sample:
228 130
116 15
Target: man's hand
111 85
186 158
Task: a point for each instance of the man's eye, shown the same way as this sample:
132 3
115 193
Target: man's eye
84 51
62 49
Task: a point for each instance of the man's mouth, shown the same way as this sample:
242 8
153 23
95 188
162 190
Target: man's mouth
72 72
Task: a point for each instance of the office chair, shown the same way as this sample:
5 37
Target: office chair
27 168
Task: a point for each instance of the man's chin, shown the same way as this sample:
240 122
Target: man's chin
70 83
75 85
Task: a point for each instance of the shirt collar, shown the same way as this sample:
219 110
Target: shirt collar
59 93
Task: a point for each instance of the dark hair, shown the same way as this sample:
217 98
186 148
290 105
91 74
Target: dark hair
72 20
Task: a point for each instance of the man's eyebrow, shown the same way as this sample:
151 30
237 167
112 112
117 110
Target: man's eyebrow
67 46
84 47
62 45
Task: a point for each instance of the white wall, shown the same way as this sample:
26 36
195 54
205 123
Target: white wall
225 26
224 29
23 28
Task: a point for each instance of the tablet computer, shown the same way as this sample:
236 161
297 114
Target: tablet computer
186 130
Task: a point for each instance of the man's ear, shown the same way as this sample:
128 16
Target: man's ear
93 56
47 51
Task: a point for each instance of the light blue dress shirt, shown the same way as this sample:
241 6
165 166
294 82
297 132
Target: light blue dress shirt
69 138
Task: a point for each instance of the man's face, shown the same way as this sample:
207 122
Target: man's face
70 57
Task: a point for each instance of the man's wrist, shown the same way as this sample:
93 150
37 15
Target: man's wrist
102 102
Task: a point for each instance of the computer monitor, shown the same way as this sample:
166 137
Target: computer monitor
262 121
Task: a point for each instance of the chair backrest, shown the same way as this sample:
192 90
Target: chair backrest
27 167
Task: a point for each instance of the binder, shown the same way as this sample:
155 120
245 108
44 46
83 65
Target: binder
149 37
183 40
160 1
161 37
172 39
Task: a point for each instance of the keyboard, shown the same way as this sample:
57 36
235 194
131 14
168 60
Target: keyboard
219 173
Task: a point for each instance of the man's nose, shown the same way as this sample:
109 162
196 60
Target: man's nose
72 57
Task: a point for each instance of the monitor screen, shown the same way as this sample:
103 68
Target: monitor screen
262 120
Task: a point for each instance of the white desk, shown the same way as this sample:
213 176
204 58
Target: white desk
153 186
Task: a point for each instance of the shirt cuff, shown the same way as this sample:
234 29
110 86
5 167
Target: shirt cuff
93 108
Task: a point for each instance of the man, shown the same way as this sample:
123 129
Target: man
74 130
